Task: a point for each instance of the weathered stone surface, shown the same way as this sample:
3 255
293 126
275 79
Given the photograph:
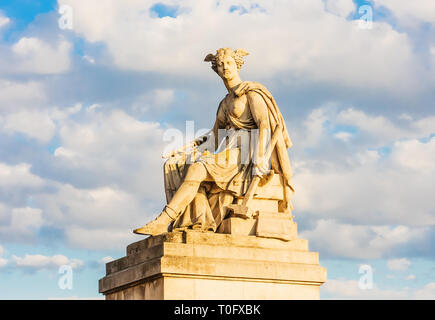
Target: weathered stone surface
238 226
206 265
276 225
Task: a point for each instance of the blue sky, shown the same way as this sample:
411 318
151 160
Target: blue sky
85 113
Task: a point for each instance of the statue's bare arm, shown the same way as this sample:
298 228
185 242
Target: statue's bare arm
219 124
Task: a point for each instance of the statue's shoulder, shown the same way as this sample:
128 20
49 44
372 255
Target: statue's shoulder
251 87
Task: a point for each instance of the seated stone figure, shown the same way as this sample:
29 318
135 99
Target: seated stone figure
223 169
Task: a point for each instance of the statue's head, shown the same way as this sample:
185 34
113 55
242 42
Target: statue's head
227 62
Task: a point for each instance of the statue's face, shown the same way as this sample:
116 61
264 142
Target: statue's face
227 67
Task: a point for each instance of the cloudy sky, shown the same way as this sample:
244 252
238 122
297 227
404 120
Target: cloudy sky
90 96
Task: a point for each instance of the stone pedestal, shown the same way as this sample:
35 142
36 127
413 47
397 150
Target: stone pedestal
198 265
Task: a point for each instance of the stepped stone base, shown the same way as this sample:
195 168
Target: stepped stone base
198 265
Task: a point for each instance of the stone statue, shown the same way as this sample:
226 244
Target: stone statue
227 231
239 168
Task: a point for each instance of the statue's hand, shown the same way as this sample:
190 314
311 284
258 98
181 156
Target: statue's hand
261 167
200 140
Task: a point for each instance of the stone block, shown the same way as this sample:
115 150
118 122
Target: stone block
238 226
276 225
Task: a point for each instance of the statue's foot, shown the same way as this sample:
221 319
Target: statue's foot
158 226
153 228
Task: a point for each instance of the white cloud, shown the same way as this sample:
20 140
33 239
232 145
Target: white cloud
94 218
415 155
64 113
383 128
19 175
163 97
158 99
380 127
365 193
34 124
410 277
362 190
359 241
421 10
362 185
314 127
89 59
64 153
373 130
102 238
3 20
15 95
93 208
94 107
4 213
39 262
116 148
401 264
3 261
33 55
106 259
348 289
120 153
26 220
343 136
340 7
426 293
327 41
23 224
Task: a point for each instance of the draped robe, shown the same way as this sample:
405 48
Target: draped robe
230 176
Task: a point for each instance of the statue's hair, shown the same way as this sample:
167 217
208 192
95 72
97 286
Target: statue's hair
237 55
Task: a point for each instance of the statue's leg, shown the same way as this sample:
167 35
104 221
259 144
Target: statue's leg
188 189
184 195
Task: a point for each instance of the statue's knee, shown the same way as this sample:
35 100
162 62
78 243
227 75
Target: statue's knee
196 172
